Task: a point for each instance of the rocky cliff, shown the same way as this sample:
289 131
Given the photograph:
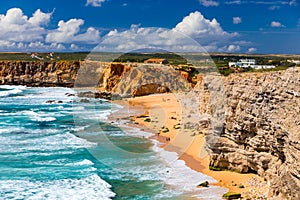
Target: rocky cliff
261 133
126 79
38 73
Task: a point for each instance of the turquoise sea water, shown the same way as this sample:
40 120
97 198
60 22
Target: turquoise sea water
67 150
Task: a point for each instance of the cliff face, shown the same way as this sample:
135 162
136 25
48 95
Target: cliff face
37 73
124 79
262 129
150 79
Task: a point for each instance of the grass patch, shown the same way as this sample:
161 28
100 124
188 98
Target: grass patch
165 130
215 168
147 120
232 195
176 126
204 184
142 116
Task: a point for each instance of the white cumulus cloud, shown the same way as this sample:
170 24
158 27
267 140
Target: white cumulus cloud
40 18
192 34
15 26
237 20
21 32
68 32
203 30
94 3
231 48
252 50
208 3
276 24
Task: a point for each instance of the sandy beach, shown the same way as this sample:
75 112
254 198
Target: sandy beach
162 116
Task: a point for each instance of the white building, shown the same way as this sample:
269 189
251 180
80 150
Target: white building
245 63
297 62
263 67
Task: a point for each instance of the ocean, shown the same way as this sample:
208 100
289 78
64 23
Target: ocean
66 148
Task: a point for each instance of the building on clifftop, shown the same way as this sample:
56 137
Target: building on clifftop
157 61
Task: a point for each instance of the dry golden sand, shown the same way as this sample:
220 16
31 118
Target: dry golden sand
165 111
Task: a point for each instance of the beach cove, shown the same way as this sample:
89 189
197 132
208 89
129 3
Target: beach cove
160 114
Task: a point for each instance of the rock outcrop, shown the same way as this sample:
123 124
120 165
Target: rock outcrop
38 73
261 133
117 78
150 79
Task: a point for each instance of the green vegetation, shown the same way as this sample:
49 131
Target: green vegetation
147 120
177 126
232 195
142 116
225 70
165 130
172 58
280 62
215 168
204 184
45 56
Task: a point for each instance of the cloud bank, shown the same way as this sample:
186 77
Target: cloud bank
20 32
194 33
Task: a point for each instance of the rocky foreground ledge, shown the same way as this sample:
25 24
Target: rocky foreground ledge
261 132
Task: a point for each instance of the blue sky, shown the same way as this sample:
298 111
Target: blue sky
242 26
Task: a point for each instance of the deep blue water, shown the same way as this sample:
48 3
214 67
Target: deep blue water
67 150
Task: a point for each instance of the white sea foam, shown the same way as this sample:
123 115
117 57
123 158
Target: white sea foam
8 90
64 143
178 175
92 187
42 95
80 163
9 130
40 117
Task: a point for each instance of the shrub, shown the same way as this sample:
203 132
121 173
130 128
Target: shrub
232 195
215 168
147 120
165 130
204 184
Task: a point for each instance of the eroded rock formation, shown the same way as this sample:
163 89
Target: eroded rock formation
262 129
61 73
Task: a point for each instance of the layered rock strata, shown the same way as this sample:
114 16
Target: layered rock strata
261 132
61 73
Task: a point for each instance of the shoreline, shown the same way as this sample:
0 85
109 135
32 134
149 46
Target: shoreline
165 111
